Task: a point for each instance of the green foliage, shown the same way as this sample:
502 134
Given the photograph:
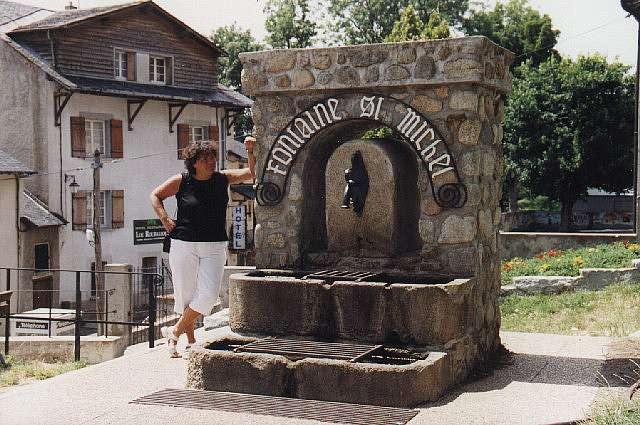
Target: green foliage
372 21
410 27
539 203
517 27
289 24
569 126
436 28
612 311
234 41
379 133
616 411
569 262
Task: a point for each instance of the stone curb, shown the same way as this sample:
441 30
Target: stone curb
589 279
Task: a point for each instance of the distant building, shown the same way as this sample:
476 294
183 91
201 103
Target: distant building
29 235
130 80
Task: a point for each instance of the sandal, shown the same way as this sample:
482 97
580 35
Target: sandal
172 341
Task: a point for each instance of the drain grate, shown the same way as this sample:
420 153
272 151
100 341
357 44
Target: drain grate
341 275
324 411
306 348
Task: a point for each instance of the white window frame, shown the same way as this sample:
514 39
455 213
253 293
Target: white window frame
89 132
105 201
120 58
192 133
154 67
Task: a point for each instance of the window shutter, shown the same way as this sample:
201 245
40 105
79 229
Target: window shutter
168 66
214 132
79 210
78 138
117 209
116 138
183 138
131 66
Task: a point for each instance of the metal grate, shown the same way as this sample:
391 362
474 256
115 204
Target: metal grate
305 348
324 411
341 275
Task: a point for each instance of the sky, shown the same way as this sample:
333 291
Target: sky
587 26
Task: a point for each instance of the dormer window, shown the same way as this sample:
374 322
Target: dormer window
124 65
157 70
121 65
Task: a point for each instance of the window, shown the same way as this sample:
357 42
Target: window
95 136
103 209
121 65
157 70
196 133
41 254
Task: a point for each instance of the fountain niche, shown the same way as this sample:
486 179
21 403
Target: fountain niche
376 244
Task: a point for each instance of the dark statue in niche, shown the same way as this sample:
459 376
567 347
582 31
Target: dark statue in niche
357 188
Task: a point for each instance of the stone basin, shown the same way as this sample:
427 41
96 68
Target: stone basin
421 311
215 366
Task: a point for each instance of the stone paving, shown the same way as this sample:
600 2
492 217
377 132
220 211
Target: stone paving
550 379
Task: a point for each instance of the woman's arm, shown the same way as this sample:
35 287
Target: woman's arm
244 174
159 194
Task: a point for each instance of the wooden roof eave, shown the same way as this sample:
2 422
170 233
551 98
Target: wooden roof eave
632 6
146 96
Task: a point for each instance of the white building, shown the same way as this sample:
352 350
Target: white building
130 80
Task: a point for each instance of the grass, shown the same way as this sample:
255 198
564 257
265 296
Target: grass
615 412
21 372
613 311
569 262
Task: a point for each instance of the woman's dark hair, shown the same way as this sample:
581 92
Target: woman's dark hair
197 150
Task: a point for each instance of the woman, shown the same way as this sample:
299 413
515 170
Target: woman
198 235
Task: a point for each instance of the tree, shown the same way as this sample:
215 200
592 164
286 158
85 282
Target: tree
234 41
371 21
569 127
289 24
409 27
517 27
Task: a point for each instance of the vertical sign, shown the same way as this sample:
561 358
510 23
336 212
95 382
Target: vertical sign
238 217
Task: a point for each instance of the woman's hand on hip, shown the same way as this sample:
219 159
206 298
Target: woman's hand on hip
168 224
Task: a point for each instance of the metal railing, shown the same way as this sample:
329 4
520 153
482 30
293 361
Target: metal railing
82 317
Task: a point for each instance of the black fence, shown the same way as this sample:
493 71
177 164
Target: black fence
146 285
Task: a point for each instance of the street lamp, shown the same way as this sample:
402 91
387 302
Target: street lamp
74 186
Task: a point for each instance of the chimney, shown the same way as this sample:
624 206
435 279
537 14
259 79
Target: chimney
70 6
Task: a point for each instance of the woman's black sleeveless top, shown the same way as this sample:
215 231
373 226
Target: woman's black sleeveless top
202 209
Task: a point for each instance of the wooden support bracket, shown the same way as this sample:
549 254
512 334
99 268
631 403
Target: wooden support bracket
173 118
61 98
131 116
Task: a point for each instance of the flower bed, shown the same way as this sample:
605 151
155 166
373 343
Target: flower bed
553 272
569 262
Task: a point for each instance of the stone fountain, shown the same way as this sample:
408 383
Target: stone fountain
376 245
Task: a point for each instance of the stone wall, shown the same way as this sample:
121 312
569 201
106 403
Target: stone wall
457 85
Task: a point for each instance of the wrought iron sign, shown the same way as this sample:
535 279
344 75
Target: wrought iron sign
415 129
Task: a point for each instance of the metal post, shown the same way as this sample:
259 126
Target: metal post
7 327
77 320
106 314
50 299
152 311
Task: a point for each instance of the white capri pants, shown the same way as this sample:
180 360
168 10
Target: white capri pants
196 271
